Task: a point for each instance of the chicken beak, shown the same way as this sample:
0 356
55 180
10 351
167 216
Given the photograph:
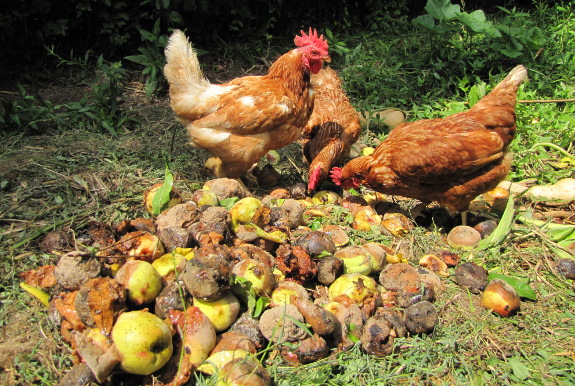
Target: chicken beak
327 59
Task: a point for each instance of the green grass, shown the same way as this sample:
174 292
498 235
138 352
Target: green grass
53 175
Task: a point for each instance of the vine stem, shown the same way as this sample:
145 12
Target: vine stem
553 146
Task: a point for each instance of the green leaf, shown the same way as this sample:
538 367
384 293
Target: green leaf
442 9
162 196
503 228
561 253
428 22
475 21
555 232
229 202
260 306
519 369
323 254
521 286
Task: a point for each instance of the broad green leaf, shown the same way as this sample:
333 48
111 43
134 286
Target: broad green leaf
475 21
428 22
521 286
162 196
442 9
503 228
519 369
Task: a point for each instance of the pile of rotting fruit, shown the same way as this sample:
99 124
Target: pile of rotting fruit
220 281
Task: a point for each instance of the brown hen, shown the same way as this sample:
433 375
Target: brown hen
449 160
332 128
240 121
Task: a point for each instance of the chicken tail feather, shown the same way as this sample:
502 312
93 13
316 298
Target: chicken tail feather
182 69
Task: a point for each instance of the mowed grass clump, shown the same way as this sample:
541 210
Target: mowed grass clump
58 177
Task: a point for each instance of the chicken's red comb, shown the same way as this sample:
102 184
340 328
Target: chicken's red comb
335 175
313 179
311 39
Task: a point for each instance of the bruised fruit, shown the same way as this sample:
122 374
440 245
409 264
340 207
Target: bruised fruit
143 283
434 264
207 277
471 276
282 324
141 246
226 188
232 340
485 228
463 237
249 327
364 218
175 198
76 268
328 269
240 371
143 340
355 259
285 292
500 297
326 197
316 242
396 224
196 332
267 176
217 360
243 210
308 350
337 234
222 312
378 256
566 268
420 318
99 302
205 197
170 298
354 285
258 274
321 321
377 336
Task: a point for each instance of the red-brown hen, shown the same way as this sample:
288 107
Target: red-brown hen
240 121
332 128
449 160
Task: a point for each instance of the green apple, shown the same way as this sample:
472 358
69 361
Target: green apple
356 259
356 286
205 197
258 274
198 335
142 281
143 340
285 292
218 360
168 263
222 312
